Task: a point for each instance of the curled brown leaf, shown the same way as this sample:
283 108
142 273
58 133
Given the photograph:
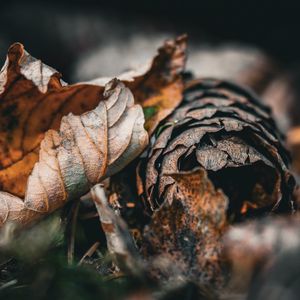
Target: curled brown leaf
34 99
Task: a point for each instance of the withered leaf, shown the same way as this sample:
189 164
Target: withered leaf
187 233
34 99
162 89
158 87
86 149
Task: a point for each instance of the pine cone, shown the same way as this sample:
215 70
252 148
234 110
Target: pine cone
224 129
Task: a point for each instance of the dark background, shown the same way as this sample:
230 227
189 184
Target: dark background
61 32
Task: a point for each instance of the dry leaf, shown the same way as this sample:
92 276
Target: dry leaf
34 99
161 91
187 233
85 150
158 87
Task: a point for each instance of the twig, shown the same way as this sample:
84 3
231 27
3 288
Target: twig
71 244
89 253
8 284
114 276
119 241
89 215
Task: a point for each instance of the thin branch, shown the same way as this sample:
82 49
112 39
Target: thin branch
119 241
71 244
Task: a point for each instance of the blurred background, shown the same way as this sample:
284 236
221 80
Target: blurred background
252 42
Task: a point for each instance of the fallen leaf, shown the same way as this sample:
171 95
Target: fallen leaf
86 149
34 99
158 87
187 233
